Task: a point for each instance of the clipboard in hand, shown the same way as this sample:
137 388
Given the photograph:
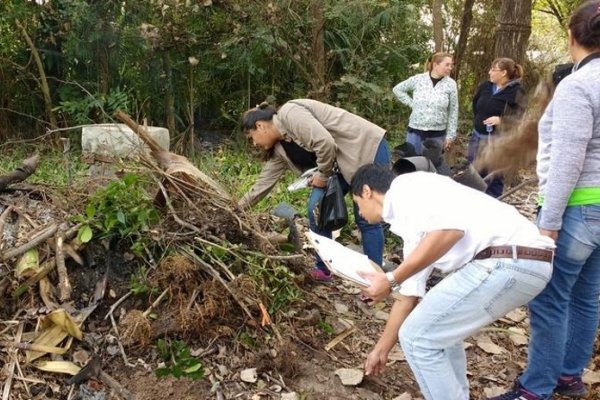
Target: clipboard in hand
344 262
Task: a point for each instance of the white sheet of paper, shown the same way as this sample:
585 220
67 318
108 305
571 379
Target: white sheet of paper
342 261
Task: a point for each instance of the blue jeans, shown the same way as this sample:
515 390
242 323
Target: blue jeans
417 141
476 295
564 317
371 234
496 185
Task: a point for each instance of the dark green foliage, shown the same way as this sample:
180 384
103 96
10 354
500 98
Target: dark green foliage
121 208
179 62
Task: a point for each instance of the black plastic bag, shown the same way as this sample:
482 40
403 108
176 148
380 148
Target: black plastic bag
332 209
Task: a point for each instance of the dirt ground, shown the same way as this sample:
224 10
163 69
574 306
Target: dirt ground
298 355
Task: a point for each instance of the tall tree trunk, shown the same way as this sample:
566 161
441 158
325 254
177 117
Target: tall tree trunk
438 25
169 95
465 27
42 81
514 28
318 49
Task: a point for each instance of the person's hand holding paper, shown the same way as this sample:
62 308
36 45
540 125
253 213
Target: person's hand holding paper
378 288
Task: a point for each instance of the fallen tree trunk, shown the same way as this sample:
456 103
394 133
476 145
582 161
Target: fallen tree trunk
27 168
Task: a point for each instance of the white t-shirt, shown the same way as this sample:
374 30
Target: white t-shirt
418 203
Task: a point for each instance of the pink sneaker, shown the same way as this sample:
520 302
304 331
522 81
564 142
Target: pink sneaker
320 276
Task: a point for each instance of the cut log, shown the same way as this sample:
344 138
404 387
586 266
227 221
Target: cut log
172 163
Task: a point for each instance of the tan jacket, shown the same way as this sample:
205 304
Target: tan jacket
332 133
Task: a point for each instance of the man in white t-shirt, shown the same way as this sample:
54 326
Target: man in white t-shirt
496 259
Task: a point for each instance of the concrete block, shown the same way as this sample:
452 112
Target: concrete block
118 140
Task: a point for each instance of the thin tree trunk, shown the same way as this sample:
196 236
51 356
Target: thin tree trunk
169 95
43 81
438 25
465 27
318 49
514 29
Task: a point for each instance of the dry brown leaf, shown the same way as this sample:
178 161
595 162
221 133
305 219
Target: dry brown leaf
517 315
65 321
61 367
485 343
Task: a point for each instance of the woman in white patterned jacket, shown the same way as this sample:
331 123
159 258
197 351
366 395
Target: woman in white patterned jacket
434 103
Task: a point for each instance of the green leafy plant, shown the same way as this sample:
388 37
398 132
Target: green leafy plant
327 328
139 282
178 361
123 207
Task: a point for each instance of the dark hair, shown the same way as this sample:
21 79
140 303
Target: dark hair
513 70
262 112
435 58
585 25
377 177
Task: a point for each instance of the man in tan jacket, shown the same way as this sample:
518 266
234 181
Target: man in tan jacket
304 134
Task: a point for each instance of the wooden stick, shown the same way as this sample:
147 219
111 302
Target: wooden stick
70 251
11 368
3 217
33 242
116 386
70 233
117 304
155 303
517 188
64 286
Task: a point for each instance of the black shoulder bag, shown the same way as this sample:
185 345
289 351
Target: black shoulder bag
332 213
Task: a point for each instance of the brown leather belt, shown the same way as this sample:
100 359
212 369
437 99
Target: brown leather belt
522 252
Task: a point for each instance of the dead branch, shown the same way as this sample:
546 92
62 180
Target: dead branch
3 217
4 284
517 188
11 368
116 386
172 162
70 251
155 303
70 233
218 277
27 168
64 286
117 304
35 240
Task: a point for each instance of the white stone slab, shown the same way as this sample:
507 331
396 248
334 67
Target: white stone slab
118 140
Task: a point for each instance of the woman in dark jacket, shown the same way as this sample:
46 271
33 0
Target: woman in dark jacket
496 100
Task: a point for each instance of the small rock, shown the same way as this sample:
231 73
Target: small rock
591 377
81 357
290 396
341 308
350 377
112 350
223 370
249 375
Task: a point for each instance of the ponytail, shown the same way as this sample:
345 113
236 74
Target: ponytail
262 112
